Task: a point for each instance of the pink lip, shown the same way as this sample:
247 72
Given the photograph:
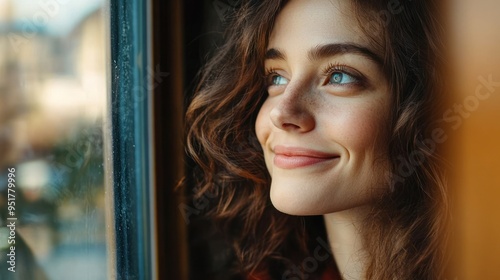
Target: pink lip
295 157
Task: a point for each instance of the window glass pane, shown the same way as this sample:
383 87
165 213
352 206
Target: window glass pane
53 126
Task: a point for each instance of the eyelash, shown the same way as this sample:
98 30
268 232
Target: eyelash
269 73
342 68
327 71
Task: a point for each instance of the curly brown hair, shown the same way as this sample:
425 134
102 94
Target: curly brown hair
403 235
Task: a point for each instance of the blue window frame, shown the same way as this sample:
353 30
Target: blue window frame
131 138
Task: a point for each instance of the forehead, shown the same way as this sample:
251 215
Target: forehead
303 24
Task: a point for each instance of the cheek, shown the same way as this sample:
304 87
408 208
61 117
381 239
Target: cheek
364 128
263 123
263 131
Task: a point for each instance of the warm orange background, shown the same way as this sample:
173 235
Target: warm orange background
474 147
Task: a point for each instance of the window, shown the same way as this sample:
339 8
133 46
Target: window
77 173
54 196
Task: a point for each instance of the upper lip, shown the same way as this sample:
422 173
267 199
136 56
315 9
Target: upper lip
302 152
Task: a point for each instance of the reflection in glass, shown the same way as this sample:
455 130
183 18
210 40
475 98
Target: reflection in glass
52 120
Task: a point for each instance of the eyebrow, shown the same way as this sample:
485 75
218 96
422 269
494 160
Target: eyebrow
323 51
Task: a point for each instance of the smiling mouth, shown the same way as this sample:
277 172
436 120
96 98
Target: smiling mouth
294 157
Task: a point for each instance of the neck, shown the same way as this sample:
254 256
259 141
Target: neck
344 234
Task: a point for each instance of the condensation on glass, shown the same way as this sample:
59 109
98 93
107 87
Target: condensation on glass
53 126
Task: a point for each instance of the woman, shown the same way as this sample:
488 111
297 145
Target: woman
324 108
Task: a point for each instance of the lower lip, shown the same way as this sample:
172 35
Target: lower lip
290 162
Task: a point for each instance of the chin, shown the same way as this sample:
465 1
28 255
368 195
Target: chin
288 202
292 209
299 203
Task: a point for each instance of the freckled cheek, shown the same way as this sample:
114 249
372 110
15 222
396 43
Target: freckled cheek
263 129
263 123
362 129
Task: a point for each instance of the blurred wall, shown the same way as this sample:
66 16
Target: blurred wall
474 151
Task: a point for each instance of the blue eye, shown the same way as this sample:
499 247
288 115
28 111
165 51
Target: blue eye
278 80
341 78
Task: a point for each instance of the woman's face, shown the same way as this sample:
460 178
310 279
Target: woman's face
324 124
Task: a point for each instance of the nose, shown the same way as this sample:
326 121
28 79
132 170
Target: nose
293 111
